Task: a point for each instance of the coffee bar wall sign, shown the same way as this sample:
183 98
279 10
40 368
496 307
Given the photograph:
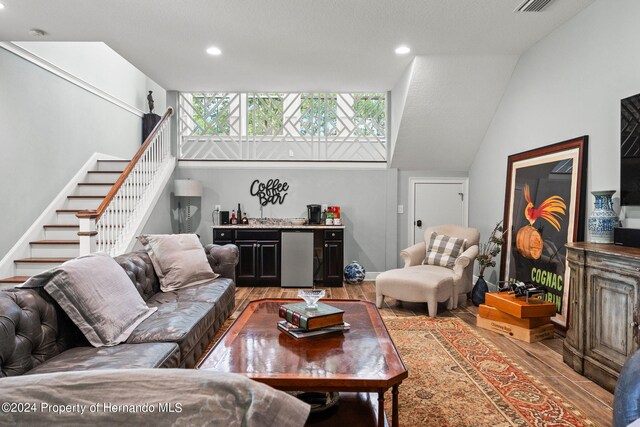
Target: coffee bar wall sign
273 191
544 210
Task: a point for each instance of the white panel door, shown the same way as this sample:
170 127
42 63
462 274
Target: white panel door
437 203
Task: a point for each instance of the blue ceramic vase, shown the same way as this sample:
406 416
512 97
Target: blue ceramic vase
603 219
354 273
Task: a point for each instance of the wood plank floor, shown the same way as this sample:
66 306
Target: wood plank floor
542 359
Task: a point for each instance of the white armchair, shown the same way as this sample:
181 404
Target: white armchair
431 283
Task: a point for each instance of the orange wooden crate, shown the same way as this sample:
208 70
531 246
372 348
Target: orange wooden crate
518 307
528 335
493 313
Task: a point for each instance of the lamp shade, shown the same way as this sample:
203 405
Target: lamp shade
187 188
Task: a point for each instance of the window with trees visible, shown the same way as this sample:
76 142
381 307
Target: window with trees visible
211 115
370 114
265 114
324 126
318 115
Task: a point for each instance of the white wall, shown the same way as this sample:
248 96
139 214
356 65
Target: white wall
398 98
569 84
162 219
49 127
363 195
99 65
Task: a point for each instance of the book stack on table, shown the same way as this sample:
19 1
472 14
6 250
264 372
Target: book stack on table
512 316
301 322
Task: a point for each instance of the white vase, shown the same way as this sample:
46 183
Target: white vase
603 219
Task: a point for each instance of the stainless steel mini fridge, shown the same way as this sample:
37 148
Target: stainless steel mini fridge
297 259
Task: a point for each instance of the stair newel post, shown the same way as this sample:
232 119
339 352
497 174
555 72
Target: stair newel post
88 233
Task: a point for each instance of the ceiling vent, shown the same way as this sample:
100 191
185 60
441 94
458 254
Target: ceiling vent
533 5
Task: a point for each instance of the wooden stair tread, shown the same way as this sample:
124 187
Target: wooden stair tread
42 260
105 171
80 210
55 242
96 183
15 279
86 197
61 226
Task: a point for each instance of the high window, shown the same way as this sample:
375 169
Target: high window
282 126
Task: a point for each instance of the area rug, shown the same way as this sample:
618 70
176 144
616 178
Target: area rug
457 378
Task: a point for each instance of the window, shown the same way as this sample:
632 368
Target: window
282 126
210 115
265 114
318 115
369 116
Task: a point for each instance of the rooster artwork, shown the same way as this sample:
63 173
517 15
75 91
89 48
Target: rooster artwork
528 240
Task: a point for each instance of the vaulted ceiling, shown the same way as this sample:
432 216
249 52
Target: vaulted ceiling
448 106
464 53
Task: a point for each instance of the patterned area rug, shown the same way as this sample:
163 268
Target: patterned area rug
456 378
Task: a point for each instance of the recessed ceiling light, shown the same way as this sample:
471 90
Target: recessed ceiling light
402 50
214 51
1 6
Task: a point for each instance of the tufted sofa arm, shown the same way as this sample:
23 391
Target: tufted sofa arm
32 330
223 259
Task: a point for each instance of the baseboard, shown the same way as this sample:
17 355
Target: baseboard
371 275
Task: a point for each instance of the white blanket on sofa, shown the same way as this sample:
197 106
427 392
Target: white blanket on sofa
159 397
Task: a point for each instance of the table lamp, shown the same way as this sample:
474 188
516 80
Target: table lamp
186 188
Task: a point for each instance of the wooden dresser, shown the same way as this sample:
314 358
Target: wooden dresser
603 315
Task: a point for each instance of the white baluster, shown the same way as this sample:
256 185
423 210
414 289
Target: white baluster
121 214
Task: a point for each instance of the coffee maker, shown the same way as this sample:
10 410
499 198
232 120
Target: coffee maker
314 214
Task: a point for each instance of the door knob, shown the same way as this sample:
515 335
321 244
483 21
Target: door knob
419 223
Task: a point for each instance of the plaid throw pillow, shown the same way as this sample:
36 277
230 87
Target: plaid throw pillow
443 250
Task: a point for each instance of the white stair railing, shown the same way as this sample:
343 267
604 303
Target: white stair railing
110 228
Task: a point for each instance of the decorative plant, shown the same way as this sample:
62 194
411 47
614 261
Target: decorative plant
488 251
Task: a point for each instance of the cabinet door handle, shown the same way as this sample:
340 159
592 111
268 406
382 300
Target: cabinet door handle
258 245
333 234
255 245
326 245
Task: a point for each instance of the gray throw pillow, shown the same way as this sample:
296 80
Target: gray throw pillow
98 297
178 259
443 250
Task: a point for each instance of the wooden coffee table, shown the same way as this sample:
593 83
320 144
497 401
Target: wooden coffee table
363 359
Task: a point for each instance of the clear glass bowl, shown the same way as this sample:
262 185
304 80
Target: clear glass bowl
311 297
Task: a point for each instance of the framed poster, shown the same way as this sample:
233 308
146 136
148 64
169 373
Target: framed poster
544 210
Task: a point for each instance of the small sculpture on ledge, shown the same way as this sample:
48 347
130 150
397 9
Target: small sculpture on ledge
150 101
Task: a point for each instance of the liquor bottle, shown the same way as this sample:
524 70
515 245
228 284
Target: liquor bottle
216 217
245 220
234 218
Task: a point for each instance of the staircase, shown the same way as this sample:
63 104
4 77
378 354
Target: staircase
103 208
59 239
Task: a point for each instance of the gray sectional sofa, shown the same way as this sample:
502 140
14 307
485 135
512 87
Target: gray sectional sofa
37 337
